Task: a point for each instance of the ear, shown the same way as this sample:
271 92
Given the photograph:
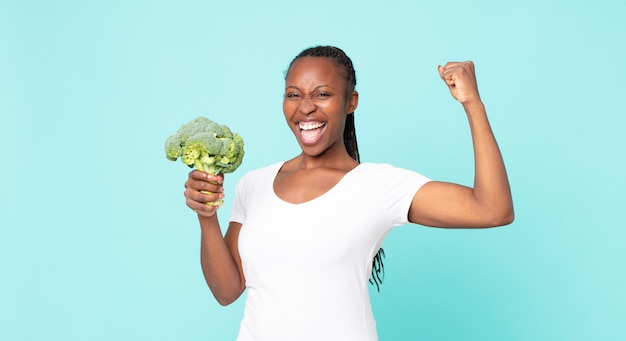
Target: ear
352 102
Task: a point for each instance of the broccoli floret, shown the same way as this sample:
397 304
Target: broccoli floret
173 148
206 145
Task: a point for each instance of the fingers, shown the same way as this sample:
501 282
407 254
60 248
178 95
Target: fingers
204 176
202 208
203 197
441 70
451 65
204 181
201 190
460 77
453 70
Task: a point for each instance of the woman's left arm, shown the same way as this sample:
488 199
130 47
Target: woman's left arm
489 202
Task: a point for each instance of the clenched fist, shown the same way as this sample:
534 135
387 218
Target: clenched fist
202 190
461 80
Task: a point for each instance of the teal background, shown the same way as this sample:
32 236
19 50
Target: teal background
96 242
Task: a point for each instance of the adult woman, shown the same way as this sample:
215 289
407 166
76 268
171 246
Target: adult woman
323 215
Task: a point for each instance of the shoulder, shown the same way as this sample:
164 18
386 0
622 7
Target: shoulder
262 172
387 169
390 175
255 181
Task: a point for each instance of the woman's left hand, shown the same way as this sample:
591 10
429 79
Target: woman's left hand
461 80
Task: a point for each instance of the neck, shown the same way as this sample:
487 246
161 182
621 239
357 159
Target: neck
339 159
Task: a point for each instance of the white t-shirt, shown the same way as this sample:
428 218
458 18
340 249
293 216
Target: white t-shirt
307 265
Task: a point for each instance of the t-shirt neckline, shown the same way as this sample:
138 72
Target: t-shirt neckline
331 190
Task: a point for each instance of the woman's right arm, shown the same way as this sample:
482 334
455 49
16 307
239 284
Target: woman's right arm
219 255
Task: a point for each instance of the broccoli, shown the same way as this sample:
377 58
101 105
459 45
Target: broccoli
206 145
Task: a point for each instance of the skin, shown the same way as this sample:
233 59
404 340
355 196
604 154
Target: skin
316 91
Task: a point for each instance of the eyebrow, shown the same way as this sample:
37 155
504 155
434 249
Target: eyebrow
317 87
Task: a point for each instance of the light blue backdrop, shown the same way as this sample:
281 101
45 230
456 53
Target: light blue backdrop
96 242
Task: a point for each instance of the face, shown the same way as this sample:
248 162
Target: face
316 104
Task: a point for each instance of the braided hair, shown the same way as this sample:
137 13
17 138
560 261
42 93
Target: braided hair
349 134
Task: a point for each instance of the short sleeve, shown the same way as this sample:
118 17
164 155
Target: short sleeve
251 188
399 187
237 211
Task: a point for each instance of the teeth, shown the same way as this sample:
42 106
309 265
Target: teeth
311 125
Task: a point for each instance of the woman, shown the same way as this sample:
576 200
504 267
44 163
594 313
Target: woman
303 232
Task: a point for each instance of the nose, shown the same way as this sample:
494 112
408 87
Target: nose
306 105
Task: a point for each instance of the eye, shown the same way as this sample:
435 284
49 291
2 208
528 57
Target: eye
322 95
292 95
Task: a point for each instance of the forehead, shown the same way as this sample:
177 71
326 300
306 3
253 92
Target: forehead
316 70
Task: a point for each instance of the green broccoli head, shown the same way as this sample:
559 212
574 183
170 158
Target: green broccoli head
232 154
197 125
206 145
173 148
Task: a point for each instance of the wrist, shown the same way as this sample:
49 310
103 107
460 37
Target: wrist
208 223
475 106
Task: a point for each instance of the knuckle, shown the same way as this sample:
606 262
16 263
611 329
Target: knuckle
204 186
190 203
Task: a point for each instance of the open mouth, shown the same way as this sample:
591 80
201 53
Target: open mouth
311 132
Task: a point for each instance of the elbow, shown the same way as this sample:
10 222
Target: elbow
509 215
508 218
225 299
503 218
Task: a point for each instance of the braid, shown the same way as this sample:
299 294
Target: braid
349 138
349 132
